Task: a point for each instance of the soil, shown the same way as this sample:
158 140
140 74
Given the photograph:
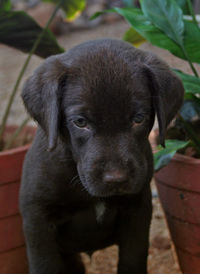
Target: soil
162 259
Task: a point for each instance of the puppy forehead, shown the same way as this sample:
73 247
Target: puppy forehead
106 82
112 102
106 74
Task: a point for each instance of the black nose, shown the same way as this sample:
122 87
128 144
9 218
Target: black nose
115 176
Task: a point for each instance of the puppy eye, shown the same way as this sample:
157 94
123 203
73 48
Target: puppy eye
138 118
80 122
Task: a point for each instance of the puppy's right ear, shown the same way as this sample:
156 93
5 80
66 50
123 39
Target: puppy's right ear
41 95
167 92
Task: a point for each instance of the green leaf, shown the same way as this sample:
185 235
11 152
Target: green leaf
167 16
164 155
155 36
191 83
145 28
133 37
19 30
5 5
72 8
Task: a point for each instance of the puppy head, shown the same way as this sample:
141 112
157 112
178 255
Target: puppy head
106 94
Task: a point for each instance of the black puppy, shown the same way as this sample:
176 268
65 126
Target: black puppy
86 177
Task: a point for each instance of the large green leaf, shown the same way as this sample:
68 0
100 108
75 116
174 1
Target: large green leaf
145 28
164 155
72 8
167 16
19 30
5 5
191 83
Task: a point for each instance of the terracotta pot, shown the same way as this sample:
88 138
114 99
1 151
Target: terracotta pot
12 247
179 189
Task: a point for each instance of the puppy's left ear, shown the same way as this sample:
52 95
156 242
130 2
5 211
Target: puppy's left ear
42 93
167 92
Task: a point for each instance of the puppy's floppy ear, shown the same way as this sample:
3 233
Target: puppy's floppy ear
166 90
41 95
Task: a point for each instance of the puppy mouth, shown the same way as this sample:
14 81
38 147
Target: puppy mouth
105 194
120 190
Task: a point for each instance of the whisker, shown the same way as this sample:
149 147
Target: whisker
73 180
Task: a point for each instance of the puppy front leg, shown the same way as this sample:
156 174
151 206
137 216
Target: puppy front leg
134 237
42 249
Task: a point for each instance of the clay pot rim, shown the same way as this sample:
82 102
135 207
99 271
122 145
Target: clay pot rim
185 159
15 150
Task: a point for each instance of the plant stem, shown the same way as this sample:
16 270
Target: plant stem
14 91
16 133
182 46
189 61
191 10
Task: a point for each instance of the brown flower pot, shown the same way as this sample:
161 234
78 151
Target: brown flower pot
179 189
12 247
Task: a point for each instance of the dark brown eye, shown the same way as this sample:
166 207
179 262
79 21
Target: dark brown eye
138 118
80 122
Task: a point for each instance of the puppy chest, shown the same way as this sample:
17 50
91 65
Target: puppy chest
89 228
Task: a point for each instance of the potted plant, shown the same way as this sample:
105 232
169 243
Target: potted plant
172 25
19 30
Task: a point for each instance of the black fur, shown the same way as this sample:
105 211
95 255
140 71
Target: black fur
95 106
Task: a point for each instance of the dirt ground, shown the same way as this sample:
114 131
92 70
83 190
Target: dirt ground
161 254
